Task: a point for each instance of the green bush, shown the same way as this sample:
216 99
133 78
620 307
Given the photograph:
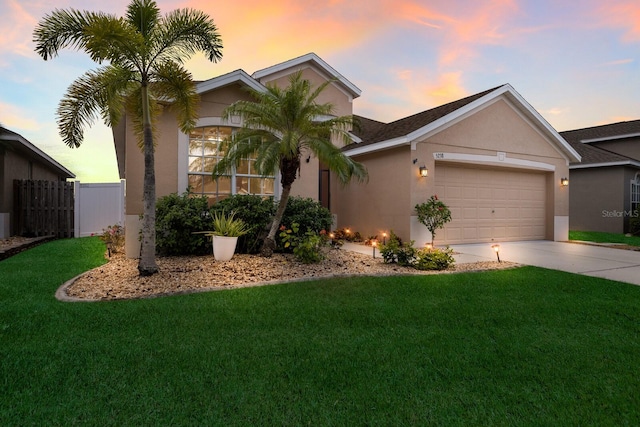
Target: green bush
433 259
255 211
433 214
177 218
308 247
396 251
308 215
634 226
347 234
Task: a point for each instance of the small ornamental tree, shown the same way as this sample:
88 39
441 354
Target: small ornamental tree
433 214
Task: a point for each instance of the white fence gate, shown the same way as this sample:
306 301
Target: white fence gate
97 206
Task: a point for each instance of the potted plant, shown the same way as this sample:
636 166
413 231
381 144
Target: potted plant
226 230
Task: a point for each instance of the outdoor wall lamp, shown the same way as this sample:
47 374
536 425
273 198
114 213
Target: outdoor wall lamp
424 172
564 181
496 249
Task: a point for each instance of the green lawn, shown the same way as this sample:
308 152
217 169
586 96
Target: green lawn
525 346
600 237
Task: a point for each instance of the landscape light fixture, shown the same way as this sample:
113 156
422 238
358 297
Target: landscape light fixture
564 181
496 249
424 172
374 243
384 238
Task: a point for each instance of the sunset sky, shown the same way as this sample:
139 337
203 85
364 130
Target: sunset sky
575 62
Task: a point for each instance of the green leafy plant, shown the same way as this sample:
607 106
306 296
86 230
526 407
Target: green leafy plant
227 226
634 226
307 248
433 214
113 235
433 259
398 252
255 211
178 217
308 213
347 234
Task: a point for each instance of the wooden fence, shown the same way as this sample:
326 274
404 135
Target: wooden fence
43 208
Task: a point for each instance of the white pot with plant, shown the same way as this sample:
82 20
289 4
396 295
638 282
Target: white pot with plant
226 230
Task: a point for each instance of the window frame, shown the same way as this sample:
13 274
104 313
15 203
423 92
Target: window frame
234 177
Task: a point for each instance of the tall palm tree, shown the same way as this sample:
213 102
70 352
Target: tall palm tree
278 127
145 53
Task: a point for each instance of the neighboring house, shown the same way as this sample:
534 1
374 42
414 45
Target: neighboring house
20 159
491 157
605 186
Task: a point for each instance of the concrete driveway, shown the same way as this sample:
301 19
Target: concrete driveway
598 261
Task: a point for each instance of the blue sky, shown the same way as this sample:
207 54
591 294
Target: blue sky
576 62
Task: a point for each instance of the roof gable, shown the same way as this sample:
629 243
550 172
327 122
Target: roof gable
407 130
308 60
237 76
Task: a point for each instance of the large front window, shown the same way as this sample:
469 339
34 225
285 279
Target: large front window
204 153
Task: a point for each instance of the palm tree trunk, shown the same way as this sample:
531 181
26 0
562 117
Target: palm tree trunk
147 263
269 244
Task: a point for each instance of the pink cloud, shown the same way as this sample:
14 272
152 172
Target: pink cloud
622 14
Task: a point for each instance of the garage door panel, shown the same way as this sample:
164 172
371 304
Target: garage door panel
491 204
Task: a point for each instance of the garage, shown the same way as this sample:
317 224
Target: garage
491 204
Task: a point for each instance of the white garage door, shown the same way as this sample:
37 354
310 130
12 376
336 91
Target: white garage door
491 204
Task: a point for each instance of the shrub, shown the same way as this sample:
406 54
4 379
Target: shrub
433 259
177 218
395 251
347 234
114 235
255 211
309 214
634 226
433 214
307 248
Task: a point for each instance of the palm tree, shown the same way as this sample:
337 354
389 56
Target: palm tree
145 53
278 127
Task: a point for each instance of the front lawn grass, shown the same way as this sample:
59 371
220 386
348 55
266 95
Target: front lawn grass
520 346
600 237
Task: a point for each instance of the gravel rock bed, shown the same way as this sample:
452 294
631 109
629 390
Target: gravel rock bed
119 279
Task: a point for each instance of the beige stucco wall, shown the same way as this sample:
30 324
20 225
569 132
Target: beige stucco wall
383 203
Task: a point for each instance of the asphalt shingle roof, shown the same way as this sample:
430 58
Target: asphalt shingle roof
372 131
595 155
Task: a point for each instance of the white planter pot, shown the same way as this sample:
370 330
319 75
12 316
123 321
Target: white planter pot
224 247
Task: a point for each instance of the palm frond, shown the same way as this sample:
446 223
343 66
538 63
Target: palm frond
184 32
174 83
60 29
143 15
95 93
